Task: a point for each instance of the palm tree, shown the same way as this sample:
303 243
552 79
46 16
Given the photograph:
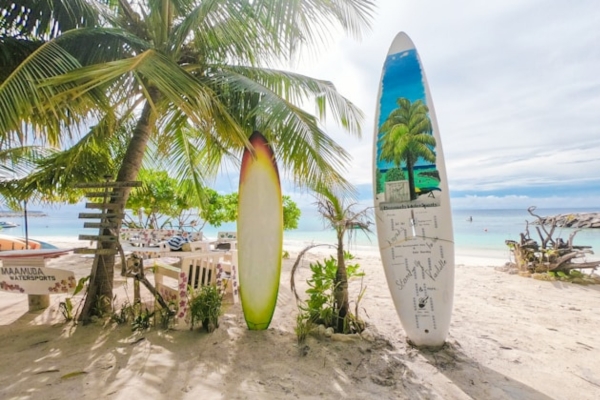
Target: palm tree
339 211
193 76
405 136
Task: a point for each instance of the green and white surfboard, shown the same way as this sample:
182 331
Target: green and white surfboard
259 233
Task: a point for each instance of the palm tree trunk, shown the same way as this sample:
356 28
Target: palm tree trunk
341 284
100 293
411 177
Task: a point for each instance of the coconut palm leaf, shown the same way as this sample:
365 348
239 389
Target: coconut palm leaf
265 100
296 89
309 22
45 19
23 103
214 33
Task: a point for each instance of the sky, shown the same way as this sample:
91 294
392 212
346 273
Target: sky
515 87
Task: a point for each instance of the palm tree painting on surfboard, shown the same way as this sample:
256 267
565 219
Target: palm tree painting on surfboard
406 155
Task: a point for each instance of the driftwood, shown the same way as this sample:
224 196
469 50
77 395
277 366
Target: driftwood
553 255
573 220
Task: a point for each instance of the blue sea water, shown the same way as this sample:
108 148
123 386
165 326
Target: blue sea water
479 233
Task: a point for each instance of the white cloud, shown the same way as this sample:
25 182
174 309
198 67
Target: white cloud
522 202
515 86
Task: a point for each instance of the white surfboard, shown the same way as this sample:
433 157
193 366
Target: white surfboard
259 233
412 204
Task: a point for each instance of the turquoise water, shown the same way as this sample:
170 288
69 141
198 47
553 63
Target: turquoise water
484 235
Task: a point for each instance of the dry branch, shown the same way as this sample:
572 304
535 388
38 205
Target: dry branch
553 255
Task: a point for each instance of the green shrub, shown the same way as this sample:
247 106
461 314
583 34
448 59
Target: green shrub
394 174
205 307
319 309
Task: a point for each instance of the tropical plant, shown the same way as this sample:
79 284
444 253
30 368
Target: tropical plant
222 208
291 213
405 136
320 307
162 198
340 213
205 307
142 319
190 77
66 309
394 174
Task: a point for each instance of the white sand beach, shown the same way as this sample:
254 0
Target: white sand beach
511 338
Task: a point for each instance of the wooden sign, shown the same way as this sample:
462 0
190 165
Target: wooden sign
100 238
103 206
98 215
36 280
91 185
106 224
85 250
113 195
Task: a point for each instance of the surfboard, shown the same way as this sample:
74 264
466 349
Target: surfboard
412 203
259 233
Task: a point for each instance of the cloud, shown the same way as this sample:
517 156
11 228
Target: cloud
477 202
515 88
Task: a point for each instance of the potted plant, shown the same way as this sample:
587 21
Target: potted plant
205 306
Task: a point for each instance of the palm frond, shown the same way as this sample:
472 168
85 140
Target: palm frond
222 31
296 89
262 101
47 19
101 44
24 103
310 21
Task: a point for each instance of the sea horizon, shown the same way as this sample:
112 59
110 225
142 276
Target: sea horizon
478 233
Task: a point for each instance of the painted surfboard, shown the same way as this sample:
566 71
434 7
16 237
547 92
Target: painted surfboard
259 233
412 204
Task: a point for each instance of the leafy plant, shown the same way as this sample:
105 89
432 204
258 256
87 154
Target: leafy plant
319 308
142 319
166 315
66 309
162 202
124 315
205 307
303 327
394 174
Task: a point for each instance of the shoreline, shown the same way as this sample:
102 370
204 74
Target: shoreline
468 257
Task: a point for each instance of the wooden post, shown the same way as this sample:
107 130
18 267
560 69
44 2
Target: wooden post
38 301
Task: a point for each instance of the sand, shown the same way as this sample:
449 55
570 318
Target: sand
511 338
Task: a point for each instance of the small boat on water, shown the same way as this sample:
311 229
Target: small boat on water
6 225
15 243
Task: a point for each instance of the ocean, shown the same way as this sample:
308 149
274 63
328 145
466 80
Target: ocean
477 233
